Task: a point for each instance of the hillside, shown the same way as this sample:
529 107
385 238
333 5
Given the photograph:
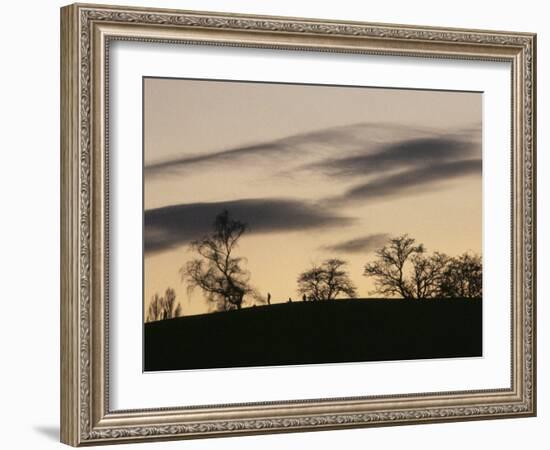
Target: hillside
316 332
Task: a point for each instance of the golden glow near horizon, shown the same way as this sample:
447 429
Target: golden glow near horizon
320 171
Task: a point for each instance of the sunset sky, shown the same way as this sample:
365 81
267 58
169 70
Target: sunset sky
315 171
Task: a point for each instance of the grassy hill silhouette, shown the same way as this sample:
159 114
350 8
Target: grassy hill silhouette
316 332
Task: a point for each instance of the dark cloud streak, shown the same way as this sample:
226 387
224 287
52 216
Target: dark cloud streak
409 181
172 226
224 155
350 137
364 244
399 155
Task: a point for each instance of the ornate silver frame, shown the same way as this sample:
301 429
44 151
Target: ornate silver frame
86 31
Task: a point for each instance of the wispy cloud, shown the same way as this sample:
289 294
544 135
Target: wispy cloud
364 244
400 155
317 143
172 226
409 181
385 161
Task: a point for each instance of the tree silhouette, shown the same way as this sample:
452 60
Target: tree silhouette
404 269
155 308
326 281
165 307
389 270
462 277
218 273
427 274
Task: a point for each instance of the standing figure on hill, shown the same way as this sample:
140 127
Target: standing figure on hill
304 298
268 298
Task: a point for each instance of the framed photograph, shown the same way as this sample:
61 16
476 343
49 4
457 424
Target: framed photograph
275 224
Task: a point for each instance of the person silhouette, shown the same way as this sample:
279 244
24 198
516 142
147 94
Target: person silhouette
304 298
268 298
289 300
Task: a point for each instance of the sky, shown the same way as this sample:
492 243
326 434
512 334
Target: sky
315 171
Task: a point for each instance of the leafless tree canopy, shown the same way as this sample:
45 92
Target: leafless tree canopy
463 277
404 269
217 272
427 274
164 307
326 281
389 271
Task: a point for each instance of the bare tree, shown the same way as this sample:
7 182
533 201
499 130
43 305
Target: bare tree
218 273
326 281
462 277
162 308
404 269
389 271
427 274
155 308
169 303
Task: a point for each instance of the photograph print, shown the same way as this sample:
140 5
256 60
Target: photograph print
290 224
